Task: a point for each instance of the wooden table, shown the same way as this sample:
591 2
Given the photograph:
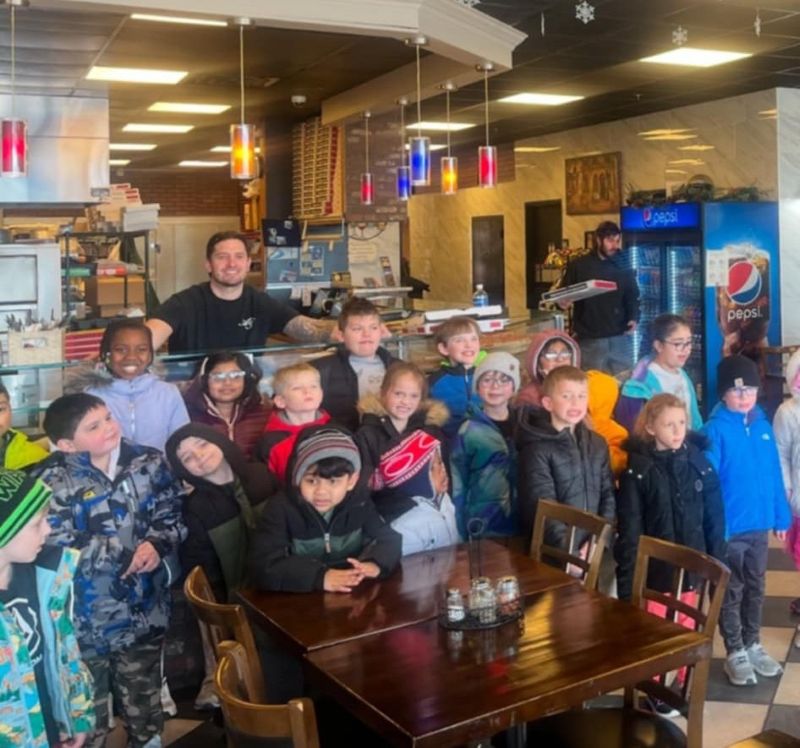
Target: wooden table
421 685
306 622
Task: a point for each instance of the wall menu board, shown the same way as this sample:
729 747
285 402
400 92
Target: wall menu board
374 253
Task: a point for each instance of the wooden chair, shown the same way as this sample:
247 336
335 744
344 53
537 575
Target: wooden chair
222 623
579 524
629 725
296 720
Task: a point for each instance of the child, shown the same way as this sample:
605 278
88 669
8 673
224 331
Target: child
47 690
225 396
16 451
560 458
458 340
325 533
119 505
743 452
227 496
297 397
401 443
357 367
147 409
661 371
787 439
484 457
669 491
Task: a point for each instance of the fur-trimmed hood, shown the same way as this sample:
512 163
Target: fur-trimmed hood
792 367
95 374
430 412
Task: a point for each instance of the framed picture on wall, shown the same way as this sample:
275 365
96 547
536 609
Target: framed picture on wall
593 184
588 239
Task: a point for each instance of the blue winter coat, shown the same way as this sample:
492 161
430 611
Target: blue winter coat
452 384
743 452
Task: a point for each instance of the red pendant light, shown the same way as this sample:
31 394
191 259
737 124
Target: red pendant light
13 130
487 154
243 137
367 187
448 163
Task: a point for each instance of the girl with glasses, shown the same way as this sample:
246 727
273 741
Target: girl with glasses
662 370
225 396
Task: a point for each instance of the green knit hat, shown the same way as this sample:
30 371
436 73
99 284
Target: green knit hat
21 497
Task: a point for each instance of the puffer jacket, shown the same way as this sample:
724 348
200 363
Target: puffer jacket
19 452
452 385
671 495
245 425
787 434
531 393
275 445
340 384
603 393
377 436
147 408
68 681
557 465
293 545
220 519
106 520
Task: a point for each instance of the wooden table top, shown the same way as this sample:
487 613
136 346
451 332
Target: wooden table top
413 593
423 686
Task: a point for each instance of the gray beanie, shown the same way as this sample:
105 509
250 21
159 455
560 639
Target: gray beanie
501 361
325 443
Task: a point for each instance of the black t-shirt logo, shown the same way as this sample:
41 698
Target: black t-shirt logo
247 323
27 620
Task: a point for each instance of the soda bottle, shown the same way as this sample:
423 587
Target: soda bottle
480 297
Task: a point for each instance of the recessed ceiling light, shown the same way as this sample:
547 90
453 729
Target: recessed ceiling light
434 147
671 136
676 171
118 161
536 148
178 19
664 131
768 114
696 147
136 75
696 57
201 164
140 127
541 99
227 149
440 126
687 161
131 146
173 106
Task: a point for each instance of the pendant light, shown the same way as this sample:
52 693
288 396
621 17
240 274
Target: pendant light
243 137
13 130
449 164
403 172
487 154
419 146
367 188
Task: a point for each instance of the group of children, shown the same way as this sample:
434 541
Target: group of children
361 459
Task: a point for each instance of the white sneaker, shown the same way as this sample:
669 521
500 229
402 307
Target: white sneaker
739 669
762 663
168 705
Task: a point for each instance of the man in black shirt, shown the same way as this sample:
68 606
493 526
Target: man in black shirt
225 312
603 324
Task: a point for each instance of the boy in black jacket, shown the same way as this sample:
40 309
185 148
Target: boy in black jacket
325 533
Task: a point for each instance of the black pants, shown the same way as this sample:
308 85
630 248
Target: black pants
740 618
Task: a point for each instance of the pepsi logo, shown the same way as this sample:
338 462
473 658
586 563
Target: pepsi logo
744 282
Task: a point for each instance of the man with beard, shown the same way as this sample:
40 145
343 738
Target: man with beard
603 323
225 312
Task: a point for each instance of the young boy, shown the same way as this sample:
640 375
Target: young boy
458 341
484 457
297 395
47 690
119 505
742 450
560 458
16 452
357 367
325 533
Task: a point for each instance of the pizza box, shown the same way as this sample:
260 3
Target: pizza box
579 291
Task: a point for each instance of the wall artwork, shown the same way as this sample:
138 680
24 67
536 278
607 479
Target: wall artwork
593 184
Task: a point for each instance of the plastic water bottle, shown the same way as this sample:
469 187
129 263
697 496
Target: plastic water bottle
480 297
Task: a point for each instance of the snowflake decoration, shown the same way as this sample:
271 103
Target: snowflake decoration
584 11
757 24
680 36
468 3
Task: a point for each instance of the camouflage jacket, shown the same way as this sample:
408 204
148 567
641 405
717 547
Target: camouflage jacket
68 681
106 520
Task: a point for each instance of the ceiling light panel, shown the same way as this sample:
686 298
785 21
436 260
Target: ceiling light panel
695 57
440 126
536 148
141 127
118 161
187 108
664 131
202 164
539 99
131 146
687 161
136 75
671 136
696 147
178 19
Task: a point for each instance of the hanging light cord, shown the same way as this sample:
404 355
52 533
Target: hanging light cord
447 104
402 135
366 141
419 97
13 63
486 101
241 69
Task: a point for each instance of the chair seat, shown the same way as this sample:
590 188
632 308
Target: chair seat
605 728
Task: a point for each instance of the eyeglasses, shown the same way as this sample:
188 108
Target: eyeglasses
498 380
224 376
680 345
744 391
557 356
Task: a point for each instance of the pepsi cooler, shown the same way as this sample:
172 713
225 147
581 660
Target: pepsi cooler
716 265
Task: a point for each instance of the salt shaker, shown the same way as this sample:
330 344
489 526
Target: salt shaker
455 606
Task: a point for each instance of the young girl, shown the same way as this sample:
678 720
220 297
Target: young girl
147 408
661 371
669 491
548 350
402 447
225 396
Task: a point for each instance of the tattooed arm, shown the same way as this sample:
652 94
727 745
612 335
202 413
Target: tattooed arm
307 330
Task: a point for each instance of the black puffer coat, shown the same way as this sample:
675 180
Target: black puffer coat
671 495
557 465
